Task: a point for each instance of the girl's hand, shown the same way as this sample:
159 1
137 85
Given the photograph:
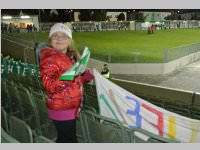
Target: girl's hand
88 75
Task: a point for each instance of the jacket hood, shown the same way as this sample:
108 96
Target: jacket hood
38 49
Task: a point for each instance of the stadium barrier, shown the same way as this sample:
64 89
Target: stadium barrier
168 55
178 52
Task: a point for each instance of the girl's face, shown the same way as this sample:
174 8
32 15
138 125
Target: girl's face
60 41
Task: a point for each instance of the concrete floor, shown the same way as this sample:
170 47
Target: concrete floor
187 78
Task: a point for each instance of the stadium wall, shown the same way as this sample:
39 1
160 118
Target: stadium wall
145 68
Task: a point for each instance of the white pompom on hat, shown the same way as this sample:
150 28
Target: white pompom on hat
60 27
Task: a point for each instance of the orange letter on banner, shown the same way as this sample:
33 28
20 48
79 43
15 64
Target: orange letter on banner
159 125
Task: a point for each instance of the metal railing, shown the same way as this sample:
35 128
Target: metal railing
178 52
18 49
136 57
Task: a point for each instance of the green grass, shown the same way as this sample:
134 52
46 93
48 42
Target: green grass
124 43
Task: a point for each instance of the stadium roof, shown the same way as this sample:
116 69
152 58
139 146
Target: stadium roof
37 11
19 11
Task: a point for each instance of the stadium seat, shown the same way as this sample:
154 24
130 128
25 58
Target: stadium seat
6 138
81 129
46 126
90 108
29 110
143 136
90 96
154 101
4 120
13 77
5 101
99 129
15 102
20 130
183 110
42 139
79 134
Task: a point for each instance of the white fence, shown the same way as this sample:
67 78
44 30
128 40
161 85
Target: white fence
91 26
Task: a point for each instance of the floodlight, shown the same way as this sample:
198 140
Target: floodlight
25 17
7 17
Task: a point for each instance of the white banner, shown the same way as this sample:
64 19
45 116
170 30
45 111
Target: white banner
132 111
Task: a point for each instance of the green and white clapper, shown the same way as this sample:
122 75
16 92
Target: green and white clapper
78 68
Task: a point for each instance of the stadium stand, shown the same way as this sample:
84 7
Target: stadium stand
23 100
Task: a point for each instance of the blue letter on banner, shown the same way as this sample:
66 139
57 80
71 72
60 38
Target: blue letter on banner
135 113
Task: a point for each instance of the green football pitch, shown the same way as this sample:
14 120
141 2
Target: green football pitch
125 44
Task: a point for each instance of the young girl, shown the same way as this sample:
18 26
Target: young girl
64 98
